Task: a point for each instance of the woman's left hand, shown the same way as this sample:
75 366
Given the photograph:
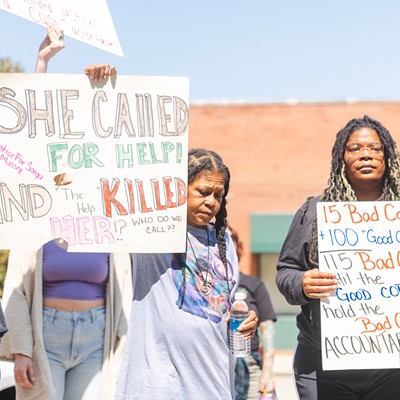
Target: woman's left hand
249 326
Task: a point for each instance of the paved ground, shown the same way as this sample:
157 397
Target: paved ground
285 387
283 371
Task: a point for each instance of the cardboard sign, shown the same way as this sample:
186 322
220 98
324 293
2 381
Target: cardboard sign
360 241
104 167
88 21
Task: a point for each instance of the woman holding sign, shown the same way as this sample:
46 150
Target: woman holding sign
67 312
365 166
177 346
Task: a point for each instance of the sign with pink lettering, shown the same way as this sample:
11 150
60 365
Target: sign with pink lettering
360 241
88 21
103 166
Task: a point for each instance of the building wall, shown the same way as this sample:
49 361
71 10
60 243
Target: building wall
278 154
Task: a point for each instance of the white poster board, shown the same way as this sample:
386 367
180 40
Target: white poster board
124 145
88 21
360 322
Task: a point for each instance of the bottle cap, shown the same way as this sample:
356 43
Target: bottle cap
240 295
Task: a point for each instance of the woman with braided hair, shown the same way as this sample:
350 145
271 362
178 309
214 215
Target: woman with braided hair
177 346
365 167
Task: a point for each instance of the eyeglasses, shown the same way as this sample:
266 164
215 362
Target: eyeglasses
355 149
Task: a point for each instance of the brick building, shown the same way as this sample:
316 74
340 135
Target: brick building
278 155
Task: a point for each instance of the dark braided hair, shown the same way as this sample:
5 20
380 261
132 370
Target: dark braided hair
339 188
236 240
202 161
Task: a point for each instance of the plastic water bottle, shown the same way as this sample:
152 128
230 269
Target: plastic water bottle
239 346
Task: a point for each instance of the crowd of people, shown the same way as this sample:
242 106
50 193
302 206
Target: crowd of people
71 316
144 326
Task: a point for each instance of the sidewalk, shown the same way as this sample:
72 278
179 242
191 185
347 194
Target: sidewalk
285 387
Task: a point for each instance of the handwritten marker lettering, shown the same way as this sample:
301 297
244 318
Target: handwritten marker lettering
369 263
360 321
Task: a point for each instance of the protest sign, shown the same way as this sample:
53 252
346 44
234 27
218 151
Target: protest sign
88 21
360 322
103 166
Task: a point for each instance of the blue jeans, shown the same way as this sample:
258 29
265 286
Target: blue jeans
74 344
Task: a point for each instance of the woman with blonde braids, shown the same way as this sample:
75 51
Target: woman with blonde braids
365 167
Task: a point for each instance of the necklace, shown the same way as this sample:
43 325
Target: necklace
206 286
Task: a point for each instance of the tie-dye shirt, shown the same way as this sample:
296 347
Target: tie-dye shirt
179 350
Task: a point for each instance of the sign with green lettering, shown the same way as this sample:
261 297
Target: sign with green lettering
103 166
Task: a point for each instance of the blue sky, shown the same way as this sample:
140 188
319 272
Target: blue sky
258 50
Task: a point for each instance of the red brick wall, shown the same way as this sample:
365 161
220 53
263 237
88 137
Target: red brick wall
278 154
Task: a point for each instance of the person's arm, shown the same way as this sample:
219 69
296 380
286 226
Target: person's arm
16 305
248 327
51 45
267 316
296 279
293 262
17 343
267 378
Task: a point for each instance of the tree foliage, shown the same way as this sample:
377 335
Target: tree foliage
6 65
3 268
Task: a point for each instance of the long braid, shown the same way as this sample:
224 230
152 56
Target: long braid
220 228
339 188
201 161
182 263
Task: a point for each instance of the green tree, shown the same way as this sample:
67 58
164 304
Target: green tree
3 268
6 65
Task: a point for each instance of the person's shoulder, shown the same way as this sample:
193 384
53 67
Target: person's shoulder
309 207
249 281
311 200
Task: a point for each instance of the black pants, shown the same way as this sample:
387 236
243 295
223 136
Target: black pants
368 384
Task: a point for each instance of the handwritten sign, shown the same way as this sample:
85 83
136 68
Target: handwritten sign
104 167
88 21
360 241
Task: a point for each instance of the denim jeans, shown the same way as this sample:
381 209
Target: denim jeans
74 344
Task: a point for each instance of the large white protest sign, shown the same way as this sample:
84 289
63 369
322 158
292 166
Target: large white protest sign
88 21
103 166
360 241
